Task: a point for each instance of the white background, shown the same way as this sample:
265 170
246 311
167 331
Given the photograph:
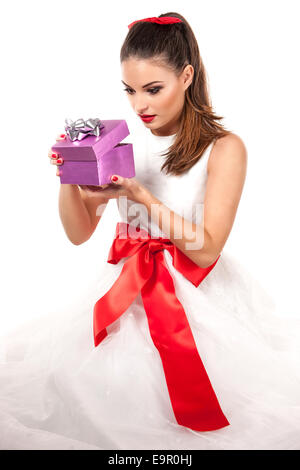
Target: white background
61 59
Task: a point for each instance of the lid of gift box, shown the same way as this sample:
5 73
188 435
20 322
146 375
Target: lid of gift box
91 147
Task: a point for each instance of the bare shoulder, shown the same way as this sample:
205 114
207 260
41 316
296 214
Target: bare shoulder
227 151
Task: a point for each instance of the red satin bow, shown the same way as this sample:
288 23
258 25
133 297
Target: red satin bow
156 19
193 399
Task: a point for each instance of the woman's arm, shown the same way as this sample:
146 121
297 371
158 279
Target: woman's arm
226 170
73 213
79 213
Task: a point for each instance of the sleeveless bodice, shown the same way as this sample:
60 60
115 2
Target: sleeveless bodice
184 194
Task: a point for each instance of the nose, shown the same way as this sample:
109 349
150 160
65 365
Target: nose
140 106
141 109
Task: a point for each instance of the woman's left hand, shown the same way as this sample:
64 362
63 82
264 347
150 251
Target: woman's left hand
129 187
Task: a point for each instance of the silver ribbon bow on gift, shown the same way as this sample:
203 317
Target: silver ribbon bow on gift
79 129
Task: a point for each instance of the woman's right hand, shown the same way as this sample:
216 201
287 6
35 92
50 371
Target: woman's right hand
56 159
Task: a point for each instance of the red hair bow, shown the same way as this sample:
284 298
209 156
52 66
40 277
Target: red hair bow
156 19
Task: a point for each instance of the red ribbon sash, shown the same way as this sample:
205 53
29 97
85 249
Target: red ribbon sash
193 399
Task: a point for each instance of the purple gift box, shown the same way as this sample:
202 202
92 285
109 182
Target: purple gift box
95 158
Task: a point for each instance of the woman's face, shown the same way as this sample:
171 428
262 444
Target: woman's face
154 89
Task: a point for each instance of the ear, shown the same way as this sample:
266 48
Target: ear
188 75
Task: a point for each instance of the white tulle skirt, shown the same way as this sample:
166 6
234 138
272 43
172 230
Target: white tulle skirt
57 391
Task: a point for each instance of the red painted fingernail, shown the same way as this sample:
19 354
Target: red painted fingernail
62 136
59 160
114 178
53 155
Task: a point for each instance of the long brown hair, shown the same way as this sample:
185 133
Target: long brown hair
176 45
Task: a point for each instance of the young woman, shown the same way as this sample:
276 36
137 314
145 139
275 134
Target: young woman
185 352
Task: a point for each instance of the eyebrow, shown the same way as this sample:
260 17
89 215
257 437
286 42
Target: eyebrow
147 84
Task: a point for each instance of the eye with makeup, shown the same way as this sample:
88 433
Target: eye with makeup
152 91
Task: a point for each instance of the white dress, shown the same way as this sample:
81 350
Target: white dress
59 391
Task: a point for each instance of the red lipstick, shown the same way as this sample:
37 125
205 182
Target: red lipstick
147 117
